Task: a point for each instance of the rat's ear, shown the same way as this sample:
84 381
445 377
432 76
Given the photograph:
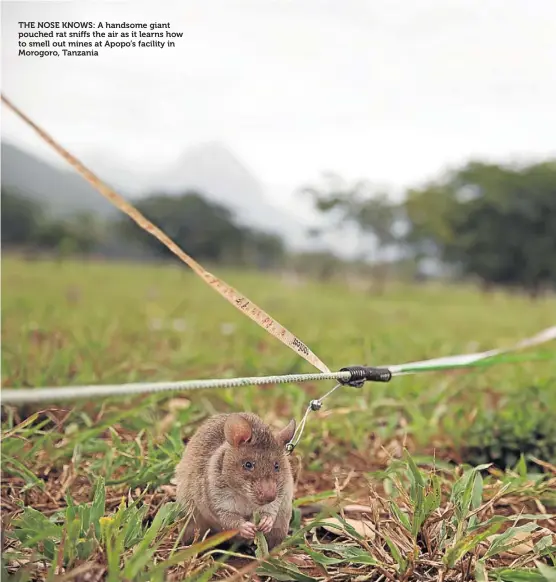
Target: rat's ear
237 430
286 434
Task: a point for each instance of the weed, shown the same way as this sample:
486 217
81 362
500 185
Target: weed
521 425
87 489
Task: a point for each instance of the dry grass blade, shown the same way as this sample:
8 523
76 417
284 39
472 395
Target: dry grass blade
102 471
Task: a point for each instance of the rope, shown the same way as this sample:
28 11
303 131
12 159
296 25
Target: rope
353 375
26 395
314 405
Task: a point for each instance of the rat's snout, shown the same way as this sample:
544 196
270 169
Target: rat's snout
266 491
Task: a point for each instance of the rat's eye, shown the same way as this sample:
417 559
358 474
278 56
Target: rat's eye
276 466
249 465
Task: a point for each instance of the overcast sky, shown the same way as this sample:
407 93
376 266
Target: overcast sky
392 91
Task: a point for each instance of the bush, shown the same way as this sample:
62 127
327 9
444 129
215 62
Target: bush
521 423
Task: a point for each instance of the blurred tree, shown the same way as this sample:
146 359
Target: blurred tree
203 229
263 250
20 218
321 265
358 204
79 234
496 223
362 206
25 224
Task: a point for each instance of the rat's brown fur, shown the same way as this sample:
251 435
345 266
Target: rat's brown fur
220 493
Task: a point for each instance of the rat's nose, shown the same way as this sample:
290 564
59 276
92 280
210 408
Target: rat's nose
267 491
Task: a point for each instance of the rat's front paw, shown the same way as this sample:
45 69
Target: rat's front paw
266 523
247 530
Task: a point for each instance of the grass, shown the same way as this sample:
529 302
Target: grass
87 488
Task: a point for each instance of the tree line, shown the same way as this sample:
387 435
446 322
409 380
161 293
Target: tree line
206 230
492 223
489 222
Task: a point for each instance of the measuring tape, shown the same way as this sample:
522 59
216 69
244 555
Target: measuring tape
352 375
237 299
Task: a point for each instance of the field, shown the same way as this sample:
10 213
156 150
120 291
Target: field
87 490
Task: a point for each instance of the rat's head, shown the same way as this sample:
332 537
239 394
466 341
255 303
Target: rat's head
255 463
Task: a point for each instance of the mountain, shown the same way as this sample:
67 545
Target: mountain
61 192
210 168
213 170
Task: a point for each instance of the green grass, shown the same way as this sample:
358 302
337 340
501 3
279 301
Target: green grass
86 486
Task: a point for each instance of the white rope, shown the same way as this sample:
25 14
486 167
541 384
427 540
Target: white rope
463 360
314 405
52 394
24 395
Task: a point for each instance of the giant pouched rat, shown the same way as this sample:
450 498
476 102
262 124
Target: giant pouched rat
233 466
